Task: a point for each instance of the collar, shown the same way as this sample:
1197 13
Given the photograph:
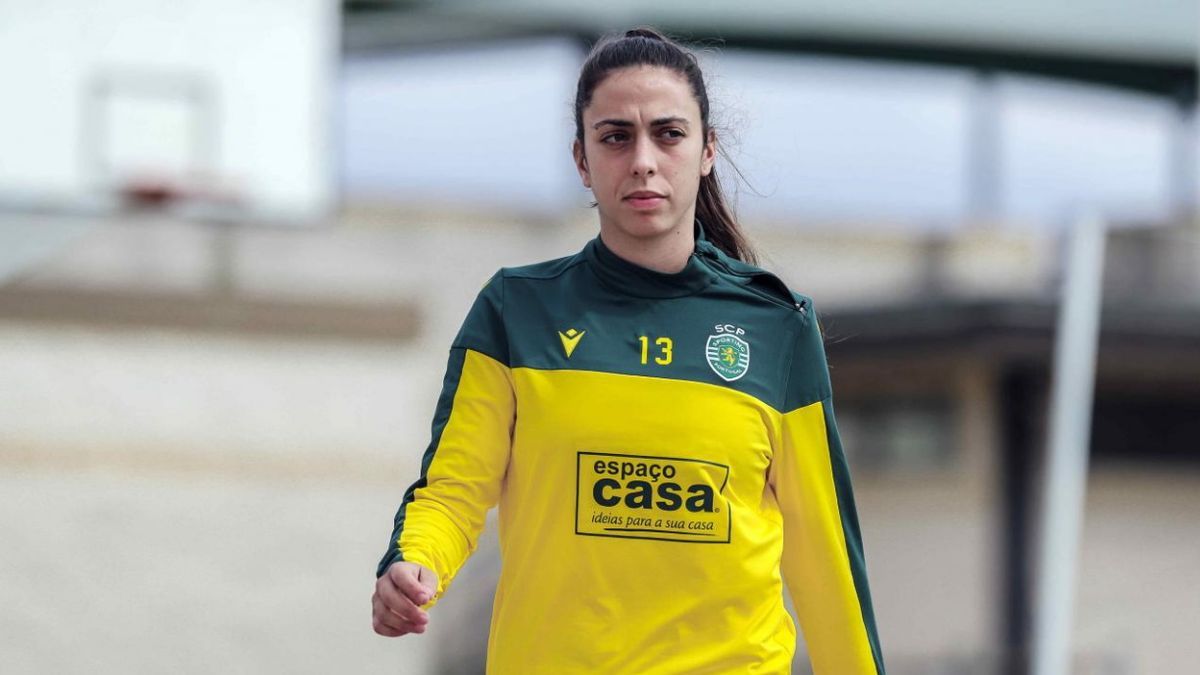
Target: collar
631 278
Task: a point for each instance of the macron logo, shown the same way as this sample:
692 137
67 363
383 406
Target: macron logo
570 339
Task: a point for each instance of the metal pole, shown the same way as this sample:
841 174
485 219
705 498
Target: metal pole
1181 163
984 172
1071 399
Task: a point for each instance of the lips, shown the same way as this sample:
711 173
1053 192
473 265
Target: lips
645 200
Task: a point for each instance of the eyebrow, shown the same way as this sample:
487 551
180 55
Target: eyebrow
627 123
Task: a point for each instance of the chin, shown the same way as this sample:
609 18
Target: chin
642 225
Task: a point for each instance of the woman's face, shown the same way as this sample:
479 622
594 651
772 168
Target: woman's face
642 134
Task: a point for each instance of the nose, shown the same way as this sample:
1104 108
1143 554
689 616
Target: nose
645 161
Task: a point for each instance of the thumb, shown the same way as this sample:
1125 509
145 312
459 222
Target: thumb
406 577
416 581
428 580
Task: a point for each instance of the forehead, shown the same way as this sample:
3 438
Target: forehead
642 91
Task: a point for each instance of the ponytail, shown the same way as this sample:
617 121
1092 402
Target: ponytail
720 226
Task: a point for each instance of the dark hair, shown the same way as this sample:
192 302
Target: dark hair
647 46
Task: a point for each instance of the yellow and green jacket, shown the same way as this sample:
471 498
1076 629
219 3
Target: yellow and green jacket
664 454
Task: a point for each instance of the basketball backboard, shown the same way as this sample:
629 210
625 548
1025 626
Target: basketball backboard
216 104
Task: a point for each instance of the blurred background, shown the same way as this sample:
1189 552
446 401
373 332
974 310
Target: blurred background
236 239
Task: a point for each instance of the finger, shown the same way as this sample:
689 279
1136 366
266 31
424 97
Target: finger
389 631
381 615
385 631
403 616
404 578
389 624
399 604
395 619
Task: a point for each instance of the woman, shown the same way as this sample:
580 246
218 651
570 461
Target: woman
653 416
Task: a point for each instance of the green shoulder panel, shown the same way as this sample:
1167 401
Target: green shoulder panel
808 373
483 328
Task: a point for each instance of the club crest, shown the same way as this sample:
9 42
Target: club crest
728 356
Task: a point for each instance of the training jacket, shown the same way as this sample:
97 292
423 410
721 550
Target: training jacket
662 447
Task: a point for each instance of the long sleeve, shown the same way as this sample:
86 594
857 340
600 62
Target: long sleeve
443 512
823 563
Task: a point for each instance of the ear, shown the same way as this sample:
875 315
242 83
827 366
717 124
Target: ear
581 163
708 155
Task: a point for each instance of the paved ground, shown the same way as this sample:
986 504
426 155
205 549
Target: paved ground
117 573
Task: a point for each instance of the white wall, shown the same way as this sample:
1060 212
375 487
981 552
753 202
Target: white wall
1065 145
488 124
269 65
825 138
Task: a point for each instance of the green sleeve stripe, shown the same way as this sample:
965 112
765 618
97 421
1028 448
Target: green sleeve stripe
850 528
441 415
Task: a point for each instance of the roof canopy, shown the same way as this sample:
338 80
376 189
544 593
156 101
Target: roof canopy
1149 46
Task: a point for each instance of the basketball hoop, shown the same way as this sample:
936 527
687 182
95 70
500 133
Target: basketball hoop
186 195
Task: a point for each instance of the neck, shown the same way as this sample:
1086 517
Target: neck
667 252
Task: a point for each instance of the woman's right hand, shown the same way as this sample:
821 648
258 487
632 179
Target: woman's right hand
399 594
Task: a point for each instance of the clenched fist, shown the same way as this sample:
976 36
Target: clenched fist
399 594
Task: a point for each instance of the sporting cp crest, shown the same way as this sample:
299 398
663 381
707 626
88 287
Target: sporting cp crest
728 356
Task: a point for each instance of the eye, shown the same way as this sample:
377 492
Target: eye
678 133
605 139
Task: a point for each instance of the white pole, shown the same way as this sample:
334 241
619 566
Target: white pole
1071 399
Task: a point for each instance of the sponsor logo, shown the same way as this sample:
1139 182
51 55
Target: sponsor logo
651 497
570 339
727 353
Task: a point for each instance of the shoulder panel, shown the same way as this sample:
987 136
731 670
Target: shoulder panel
483 328
751 277
548 269
808 375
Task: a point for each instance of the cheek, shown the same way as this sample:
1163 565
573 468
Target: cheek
606 175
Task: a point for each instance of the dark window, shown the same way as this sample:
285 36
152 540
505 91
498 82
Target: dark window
897 435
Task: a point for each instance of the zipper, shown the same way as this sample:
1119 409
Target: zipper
798 306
